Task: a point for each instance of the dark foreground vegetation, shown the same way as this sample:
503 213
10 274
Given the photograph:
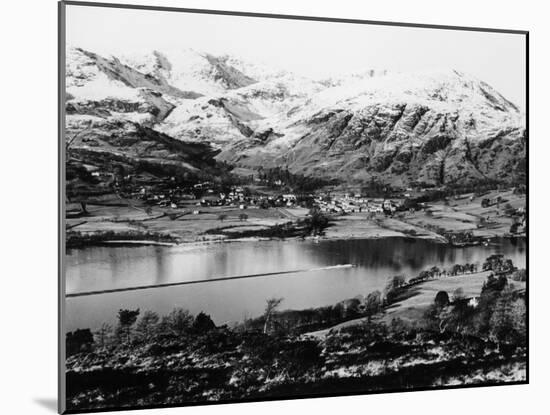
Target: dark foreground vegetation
147 359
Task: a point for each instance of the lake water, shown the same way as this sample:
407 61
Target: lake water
101 268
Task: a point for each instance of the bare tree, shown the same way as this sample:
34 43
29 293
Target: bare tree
270 307
103 334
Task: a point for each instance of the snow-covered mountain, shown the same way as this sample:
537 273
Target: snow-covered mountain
438 127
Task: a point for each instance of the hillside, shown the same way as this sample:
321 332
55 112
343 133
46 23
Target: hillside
400 128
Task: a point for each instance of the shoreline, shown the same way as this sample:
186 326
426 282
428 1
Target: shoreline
439 240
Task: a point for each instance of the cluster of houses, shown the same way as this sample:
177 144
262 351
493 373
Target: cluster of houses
355 203
205 195
238 197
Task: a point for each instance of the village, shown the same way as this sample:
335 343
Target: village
179 211
242 198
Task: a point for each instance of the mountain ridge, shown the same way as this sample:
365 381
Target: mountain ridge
435 128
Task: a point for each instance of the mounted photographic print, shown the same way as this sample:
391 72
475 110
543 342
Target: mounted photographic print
258 207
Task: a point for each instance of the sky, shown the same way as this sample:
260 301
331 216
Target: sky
308 48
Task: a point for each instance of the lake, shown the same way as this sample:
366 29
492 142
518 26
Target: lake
375 260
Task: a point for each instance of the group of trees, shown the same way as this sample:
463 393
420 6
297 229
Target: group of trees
498 264
316 222
300 321
427 274
458 269
499 315
399 281
460 237
131 329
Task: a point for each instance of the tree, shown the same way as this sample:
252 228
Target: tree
243 217
392 286
103 334
147 325
351 307
518 312
490 294
508 320
432 317
177 323
203 323
222 217
424 275
126 319
457 269
435 271
497 263
395 282
514 227
316 221
441 299
270 307
373 303
493 284
458 317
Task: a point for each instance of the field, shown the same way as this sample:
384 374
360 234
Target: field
465 213
421 296
188 224
192 223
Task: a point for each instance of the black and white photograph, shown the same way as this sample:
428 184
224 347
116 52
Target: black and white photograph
262 207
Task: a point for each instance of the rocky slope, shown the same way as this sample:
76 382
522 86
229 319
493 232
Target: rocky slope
434 128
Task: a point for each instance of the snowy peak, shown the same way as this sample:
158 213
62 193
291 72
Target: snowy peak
113 78
436 127
202 72
446 90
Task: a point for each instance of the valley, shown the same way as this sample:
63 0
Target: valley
157 143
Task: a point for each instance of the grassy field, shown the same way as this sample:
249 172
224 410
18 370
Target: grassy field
466 214
180 223
419 297
422 295
362 226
